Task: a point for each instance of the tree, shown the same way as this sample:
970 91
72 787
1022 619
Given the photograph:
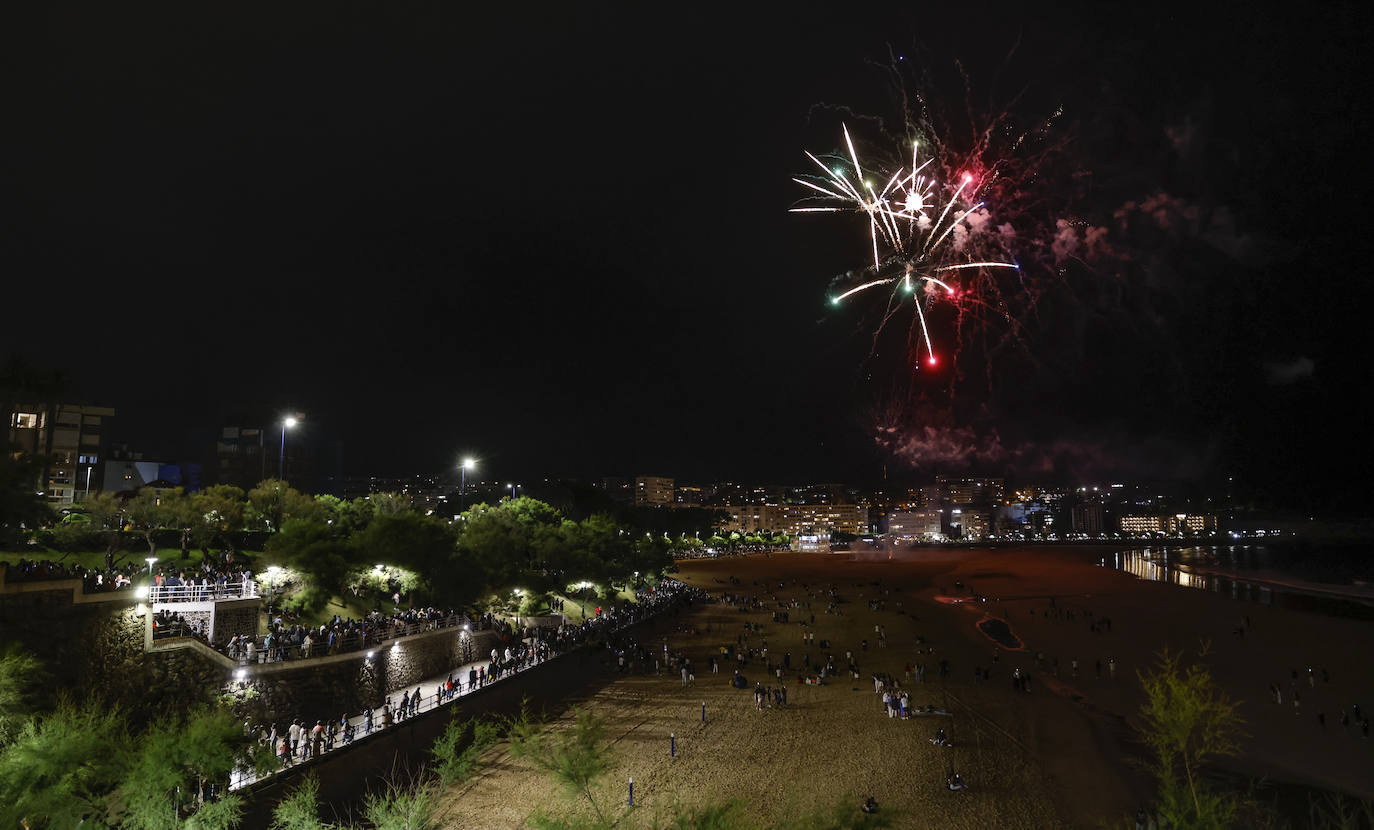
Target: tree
220 509
317 551
300 809
20 504
63 768
274 502
150 511
409 540
170 762
389 504
574 756
107 517
459 750
491 551
1188 722
21 676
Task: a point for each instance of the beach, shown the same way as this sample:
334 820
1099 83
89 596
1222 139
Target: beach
1061 754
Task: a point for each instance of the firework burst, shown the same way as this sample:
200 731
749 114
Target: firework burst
910 223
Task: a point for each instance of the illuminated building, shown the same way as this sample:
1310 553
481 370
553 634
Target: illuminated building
812 540
1169 524
75 443
922 522
970 490
654 490
793 518
688 496
972 524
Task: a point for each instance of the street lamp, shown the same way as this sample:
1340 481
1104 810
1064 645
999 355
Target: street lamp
582 586
463 468
286 424
150 560
513 488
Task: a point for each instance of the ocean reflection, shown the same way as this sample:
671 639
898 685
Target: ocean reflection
1194 567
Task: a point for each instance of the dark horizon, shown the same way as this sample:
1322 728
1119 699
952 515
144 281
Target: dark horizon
561 244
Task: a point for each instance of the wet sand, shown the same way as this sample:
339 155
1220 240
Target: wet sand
1062 755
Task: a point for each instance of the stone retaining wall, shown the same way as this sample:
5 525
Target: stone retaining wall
325 688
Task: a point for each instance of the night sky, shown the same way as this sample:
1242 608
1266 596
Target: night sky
558 239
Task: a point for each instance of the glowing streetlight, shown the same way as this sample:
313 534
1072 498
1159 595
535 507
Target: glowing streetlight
288 423
468 464
150 560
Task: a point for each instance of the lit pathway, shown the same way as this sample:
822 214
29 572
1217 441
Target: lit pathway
240 778
243 777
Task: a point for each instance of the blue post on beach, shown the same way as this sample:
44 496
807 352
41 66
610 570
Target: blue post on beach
672 745
632 792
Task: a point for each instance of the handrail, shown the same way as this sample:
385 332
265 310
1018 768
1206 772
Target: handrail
374 635
210 592
360 726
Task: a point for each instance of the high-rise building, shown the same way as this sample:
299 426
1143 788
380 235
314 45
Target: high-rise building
1087 517
955 490
689 496
654 490
793 518
241 457
923 522
1171 524
74 442
973 523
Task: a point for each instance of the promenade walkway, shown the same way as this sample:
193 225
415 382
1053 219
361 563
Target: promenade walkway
430 699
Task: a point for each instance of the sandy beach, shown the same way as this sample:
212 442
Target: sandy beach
1060 755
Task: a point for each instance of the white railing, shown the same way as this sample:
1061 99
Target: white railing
238 589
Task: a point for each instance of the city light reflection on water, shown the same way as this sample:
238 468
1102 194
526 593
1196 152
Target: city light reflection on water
1195 567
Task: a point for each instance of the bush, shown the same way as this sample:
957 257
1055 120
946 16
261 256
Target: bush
307 600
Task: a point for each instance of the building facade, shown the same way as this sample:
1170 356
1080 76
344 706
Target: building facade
792 519
1170 524
654 491
925 522
1087 518
75 439
955 490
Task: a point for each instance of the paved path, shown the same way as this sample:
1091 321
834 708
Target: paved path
244 777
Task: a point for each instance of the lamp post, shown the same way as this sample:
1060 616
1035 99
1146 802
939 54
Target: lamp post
150 560
581 608
286 424
513 488
463 468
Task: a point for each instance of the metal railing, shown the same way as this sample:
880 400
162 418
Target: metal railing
238 589
376 634
431 697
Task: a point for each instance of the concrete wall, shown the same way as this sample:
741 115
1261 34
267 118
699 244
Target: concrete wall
324 688
97 649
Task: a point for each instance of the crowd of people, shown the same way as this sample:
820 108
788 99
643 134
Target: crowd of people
751 648
340 635
203 584
523 648
93 580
